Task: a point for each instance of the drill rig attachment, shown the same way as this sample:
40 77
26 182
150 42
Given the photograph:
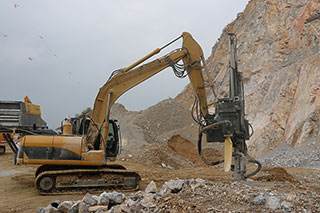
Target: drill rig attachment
228 124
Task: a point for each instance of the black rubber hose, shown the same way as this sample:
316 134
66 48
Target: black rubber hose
219 123
211 163
251 129
258 168
214 163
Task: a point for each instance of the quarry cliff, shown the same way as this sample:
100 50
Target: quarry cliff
278 54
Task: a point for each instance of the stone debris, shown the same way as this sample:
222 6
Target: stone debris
148 201
89 199
291 196
41 210
172 186
51 209
83 207
151 188
179 195
65 206
103 199
166 166
196 183
259 200
98 208
75 207
272 202
116 198
286 205
56 203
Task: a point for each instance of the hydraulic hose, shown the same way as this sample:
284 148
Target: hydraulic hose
211 163
259 166
214 163
219 123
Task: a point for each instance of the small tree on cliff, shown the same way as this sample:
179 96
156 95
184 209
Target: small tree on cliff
85 111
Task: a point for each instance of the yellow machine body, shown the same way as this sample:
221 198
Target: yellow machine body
32 109
58 150
67 129
2 140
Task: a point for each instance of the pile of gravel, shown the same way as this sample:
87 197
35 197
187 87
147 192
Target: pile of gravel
306 156
193 195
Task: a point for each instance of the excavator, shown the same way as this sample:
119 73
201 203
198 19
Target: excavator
79 159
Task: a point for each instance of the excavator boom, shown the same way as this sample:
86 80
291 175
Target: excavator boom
125 79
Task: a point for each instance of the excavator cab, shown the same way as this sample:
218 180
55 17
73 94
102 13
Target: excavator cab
80 125
113 140
112 145
112 148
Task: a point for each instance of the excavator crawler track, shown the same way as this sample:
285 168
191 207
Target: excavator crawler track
46 168
80 180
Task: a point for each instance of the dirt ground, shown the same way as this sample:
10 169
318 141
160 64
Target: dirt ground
18 193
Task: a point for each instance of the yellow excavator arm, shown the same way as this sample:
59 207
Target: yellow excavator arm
125 79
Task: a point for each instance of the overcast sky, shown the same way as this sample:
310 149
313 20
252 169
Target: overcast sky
60 52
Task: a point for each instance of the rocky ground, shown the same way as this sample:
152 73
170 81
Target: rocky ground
307 156
173 180
199 195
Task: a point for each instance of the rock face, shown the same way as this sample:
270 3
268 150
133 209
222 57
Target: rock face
278 53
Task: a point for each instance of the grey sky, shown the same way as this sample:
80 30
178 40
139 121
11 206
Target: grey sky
82 42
